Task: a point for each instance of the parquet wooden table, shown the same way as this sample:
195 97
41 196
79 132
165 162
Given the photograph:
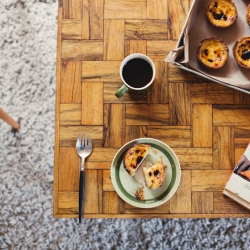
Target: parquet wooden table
206 124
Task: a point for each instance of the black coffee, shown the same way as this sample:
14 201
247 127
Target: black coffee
137 73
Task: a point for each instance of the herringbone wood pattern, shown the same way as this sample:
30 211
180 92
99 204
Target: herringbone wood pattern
206 124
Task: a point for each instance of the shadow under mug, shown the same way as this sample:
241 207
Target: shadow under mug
134 67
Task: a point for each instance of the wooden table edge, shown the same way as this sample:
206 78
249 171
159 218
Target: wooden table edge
57 100
153 216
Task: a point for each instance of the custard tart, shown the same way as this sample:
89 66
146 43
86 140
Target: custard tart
241 52
155 175
213 53
221 13
134 157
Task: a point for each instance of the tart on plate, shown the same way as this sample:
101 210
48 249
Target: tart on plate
241 52
134 157
212 53
155 175
221 13
135 192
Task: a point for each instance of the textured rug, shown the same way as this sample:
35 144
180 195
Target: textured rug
27 93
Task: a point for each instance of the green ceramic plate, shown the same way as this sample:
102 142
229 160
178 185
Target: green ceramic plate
126 186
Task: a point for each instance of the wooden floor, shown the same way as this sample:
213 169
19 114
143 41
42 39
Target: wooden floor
206 124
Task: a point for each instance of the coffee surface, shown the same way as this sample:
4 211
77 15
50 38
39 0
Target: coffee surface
137 73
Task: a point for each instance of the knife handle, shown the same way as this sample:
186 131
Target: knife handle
81 194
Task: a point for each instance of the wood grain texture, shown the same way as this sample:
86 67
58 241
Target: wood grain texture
180 108
82 50
231 115
126 9
107 184
70 88
209 180
157 9
72 9
181 201
146 29
241 98
91 199
195 158
114 125
202 202
113 30
158 49
226 153
112 203
171 135
211 93
68 133
68 202
135 132
242 136
202 125
92 27
137 46
146 114
72 29
92 103
159 90
69 169
102 154
101 71
177 12
70 114
96 19
177 75
206 124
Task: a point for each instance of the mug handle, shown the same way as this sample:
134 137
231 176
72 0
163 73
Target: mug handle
121 91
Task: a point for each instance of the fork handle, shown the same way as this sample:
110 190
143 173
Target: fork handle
81 194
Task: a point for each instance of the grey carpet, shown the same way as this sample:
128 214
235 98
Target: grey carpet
27 92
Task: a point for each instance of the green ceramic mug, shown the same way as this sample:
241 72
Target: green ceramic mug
137 72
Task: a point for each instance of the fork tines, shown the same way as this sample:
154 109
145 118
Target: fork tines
84 141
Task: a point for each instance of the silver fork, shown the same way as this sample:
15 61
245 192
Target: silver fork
83 149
